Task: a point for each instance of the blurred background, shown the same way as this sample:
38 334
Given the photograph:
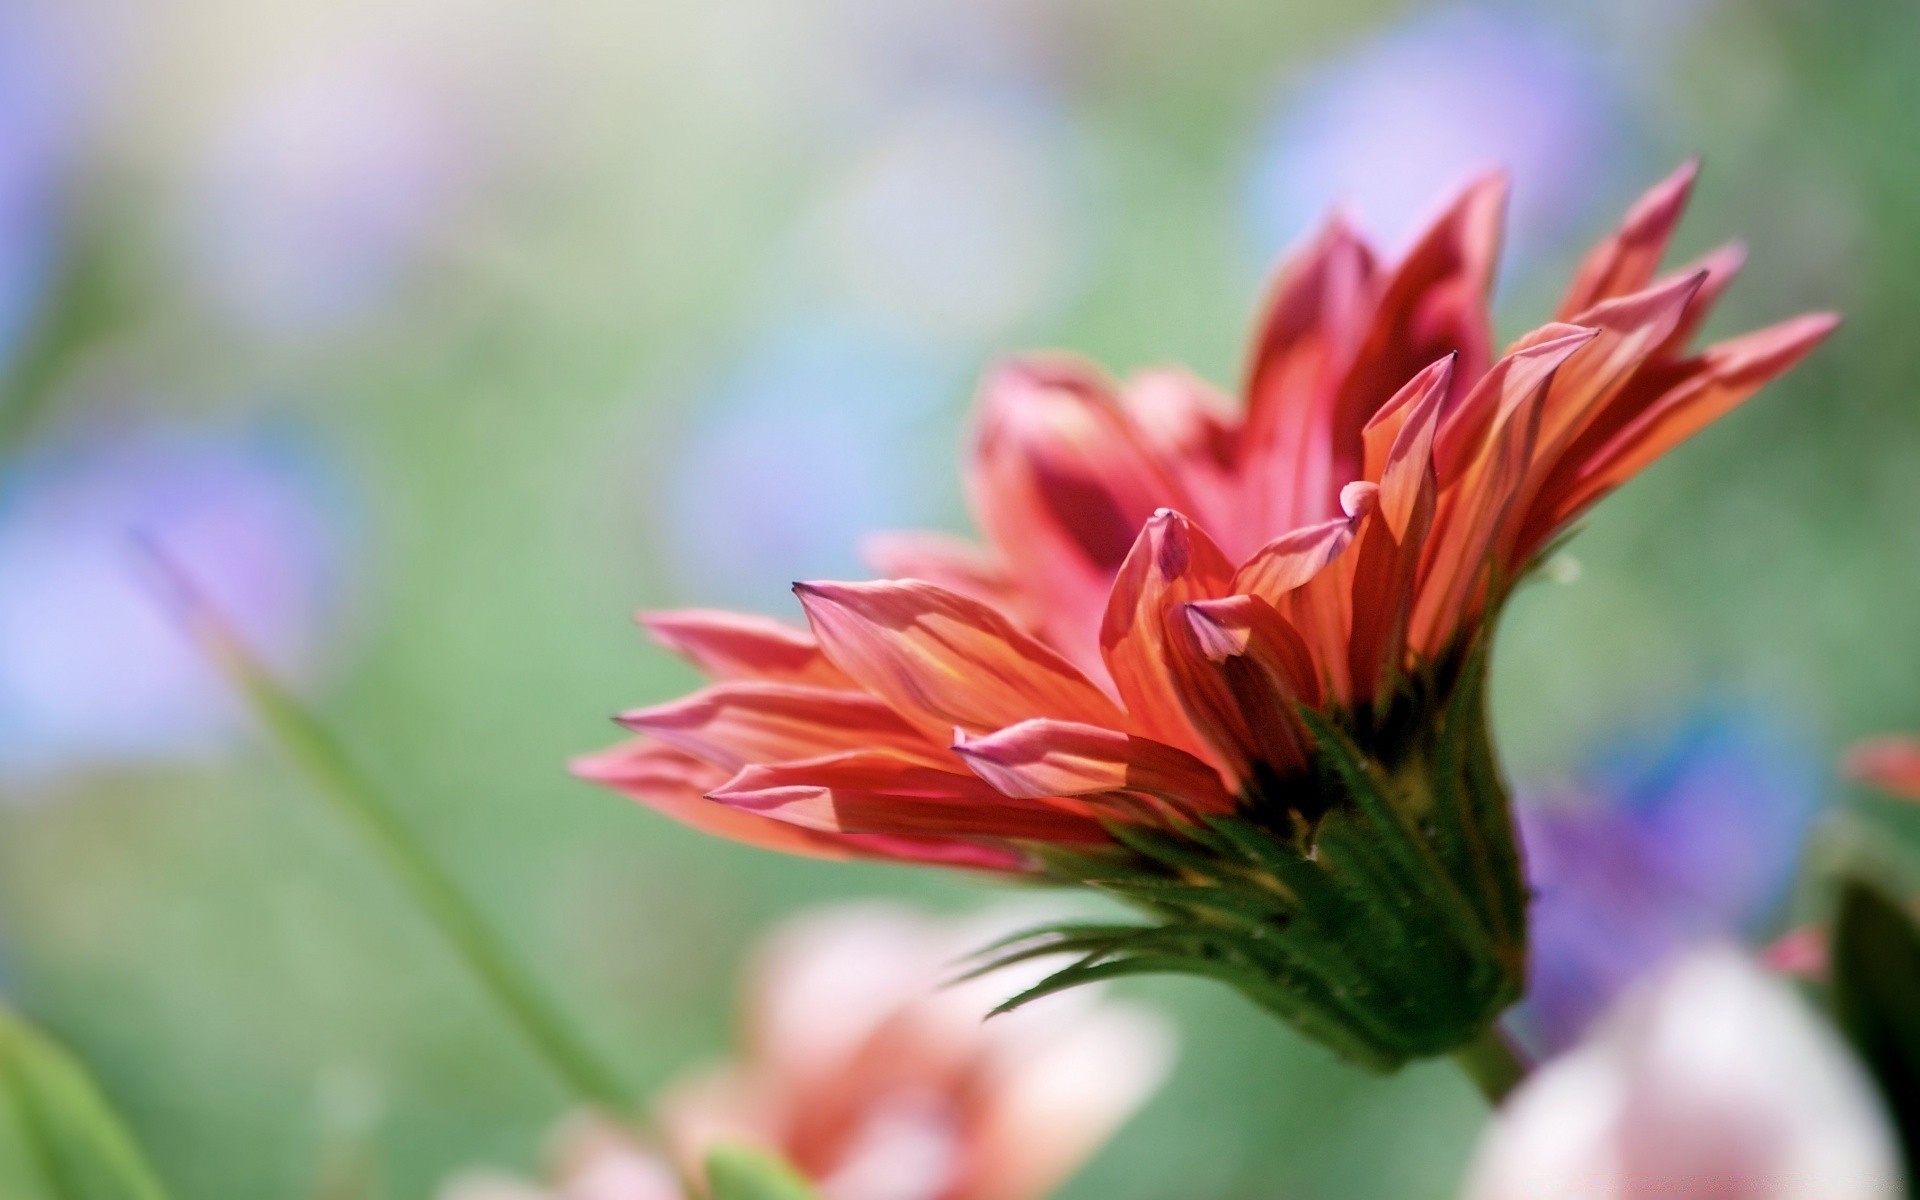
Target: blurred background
436 337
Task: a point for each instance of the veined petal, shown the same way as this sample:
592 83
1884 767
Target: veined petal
738 646
734 724
1434 304
1316 315
1172 562
1626 261
1291 559
1400 439
946 561
874 792
1063 758
1731 371
943 661
1241 669
675 784
1060 482
1631 328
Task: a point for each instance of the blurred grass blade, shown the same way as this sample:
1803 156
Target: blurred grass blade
737 1172
1876 994
354 797
57 1134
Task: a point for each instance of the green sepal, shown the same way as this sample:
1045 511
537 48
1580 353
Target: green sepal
59 1139
1876 997
736 1171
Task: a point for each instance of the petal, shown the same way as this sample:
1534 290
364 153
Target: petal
1061 482
737 646
1891 764
1191 429
943 661
1317 313
734 724
946 561
1290 560
1062 758
1400 438
670 782
1627 260
873 792
1172 562
1731 371
1241 669
1435 304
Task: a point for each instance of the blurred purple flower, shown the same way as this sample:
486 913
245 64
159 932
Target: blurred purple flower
322 191
1416 111
1657 850
814 437
90 670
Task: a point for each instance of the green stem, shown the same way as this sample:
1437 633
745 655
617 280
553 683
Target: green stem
1492 1063
357 801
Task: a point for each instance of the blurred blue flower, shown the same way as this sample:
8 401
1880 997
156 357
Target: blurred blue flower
91 672
39 112
1385 129
1660 847
823 432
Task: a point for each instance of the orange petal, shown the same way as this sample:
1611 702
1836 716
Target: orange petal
1192 430
1729 373
1172 562
1400 443
946 561
874 792
734 724
737 646
1317 313
943 661
1062 758
1241 669
1290 560
670 782
1434 304
1891 764
1627 260
1061 482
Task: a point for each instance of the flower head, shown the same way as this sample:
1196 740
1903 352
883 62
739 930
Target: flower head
1227 661
879 1083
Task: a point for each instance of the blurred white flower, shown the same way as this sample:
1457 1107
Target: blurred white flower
1713 1082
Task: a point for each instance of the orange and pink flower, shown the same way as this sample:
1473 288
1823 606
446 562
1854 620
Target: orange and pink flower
1192 614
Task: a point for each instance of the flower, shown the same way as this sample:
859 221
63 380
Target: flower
1659 849
879 1083
1229 665
1715 1081
93 672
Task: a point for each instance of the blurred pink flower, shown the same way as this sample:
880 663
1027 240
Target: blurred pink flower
881 1083
1715 1082
1891 764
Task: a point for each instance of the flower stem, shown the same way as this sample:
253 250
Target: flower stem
1492 1063
361 805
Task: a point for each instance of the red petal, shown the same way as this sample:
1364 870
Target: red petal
946 561
737 646
1316 315
1627 260
1061 758
1241 669
1061 482
1192 431
1172 562
941 660
877 793
734 724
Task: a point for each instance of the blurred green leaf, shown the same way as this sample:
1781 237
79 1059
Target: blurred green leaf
736 1172
58 1137
1876 993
